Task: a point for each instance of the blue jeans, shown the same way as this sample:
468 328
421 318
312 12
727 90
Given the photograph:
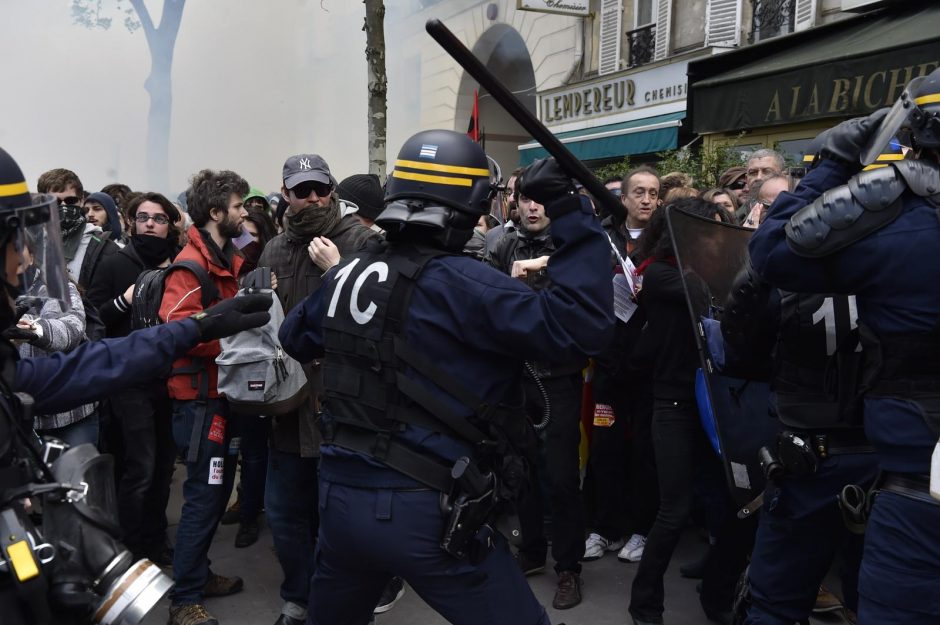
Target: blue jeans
369 535
204 496
290 501
800 532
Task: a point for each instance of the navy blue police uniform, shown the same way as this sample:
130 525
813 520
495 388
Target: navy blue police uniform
893 272
463 325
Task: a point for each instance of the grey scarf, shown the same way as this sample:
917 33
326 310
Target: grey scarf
312 222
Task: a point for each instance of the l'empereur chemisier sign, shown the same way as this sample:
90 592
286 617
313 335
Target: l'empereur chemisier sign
612 95
562 7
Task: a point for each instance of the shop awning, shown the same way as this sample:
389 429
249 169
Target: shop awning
847 68
639 136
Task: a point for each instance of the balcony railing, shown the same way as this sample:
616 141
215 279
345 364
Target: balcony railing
642 45
771 18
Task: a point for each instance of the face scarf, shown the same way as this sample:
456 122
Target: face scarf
152 250
72 223
311 222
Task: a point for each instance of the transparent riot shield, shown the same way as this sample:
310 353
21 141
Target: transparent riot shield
734 410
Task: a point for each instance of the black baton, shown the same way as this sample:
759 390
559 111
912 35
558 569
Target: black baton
521 114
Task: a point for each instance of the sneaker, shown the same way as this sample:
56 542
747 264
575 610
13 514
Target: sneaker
394 590
633 550
529 566
568 593
221 586
596 545
233 514
247 534
826 602
190 614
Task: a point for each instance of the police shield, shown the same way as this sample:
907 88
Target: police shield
734 410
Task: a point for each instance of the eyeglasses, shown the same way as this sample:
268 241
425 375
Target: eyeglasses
304 189
72 200
158 218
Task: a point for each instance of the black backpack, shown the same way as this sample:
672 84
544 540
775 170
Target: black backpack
148 292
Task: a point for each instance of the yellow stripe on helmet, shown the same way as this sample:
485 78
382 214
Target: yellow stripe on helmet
14 188
873 166
410 175
932 98
449 169
890 157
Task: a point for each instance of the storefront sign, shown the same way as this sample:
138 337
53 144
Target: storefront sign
842 89
562 7
627 92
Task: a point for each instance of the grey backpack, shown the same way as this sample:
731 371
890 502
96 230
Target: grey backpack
255 374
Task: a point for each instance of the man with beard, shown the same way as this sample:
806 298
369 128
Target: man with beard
140 423
524 254
313 226
200 415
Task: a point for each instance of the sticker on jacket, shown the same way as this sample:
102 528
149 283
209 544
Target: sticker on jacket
216 471
217 429
604 416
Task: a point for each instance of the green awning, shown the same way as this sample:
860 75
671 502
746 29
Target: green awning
640 136
842 69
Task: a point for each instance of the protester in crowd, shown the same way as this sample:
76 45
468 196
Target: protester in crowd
365 191
679 193
312 224
673 180
640 197
509 213
84 247
734 179
140 415
668 345
216 207
256 200
726 198
101 211
762 164
524 254
121 194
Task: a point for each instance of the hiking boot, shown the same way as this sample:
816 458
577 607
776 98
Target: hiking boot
190 614
568 593
528 565
596 546
233 514
221 586
633 550
826 602
247 534
394 590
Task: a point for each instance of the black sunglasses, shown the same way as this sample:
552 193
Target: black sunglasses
303 190
158 218
738 184
72 200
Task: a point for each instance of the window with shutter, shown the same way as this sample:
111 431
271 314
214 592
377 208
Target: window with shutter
609 47
771 18
805 14
663 29
723 23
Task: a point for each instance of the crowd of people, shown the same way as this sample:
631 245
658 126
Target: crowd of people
650 470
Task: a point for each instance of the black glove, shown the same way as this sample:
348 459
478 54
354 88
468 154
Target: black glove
233 315
846 141
545 182
19 334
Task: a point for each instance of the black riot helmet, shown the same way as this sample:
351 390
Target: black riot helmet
31 223
916 111
441 184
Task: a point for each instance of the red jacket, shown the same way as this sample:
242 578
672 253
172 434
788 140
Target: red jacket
182 298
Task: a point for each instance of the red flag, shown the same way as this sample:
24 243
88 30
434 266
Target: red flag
473 130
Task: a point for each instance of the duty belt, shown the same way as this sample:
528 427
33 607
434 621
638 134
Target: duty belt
836 442
911 485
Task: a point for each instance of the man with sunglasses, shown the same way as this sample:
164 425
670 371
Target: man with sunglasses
313 219
85 247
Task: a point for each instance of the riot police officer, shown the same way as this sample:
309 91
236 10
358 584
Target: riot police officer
875 234
423 356
72 568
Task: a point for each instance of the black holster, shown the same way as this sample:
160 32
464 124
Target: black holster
470 507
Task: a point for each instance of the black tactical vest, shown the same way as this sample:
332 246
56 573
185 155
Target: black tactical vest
817 361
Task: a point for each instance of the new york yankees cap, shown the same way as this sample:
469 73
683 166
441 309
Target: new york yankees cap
304 167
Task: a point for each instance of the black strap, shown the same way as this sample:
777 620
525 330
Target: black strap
427 400
396 455
911 485
208 289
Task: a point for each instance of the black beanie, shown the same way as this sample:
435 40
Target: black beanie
365 191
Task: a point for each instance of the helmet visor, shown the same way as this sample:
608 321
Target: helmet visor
41 270
896 119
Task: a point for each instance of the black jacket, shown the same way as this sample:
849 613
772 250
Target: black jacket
99 248
114 274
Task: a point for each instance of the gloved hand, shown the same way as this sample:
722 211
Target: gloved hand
846 141
231 316
19 334
545 182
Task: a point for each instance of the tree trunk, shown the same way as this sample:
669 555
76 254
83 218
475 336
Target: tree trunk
161 40
378 85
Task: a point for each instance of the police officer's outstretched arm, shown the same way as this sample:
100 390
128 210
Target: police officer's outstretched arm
771 254
94 370
575 315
